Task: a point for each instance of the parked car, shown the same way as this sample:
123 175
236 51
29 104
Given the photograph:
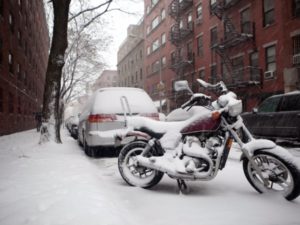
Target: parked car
276 117
72 125
104 112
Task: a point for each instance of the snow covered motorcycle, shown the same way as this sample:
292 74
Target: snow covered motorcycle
197 148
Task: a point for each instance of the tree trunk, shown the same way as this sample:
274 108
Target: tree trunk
51 101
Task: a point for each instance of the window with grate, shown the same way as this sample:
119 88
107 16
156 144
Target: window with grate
213 37
202 74
269 12
238 68
200 46
296 45
254 66
1 7
296 8
271 58
213 73
245 21
199 12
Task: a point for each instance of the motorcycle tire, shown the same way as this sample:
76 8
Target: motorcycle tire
283 176
137 175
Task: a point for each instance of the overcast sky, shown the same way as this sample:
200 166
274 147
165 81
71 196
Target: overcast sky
118 23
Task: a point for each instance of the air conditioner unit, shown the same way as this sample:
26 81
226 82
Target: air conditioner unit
269 74
296 59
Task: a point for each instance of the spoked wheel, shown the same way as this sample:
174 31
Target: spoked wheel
282 176
131 172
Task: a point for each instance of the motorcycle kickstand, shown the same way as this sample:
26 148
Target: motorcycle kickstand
183 188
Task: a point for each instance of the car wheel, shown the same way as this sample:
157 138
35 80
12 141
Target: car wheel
88 150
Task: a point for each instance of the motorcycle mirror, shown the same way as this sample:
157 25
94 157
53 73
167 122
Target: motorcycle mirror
182 85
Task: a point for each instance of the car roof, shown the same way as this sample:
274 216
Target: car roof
286 94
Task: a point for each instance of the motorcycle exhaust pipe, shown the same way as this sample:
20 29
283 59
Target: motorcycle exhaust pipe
168 166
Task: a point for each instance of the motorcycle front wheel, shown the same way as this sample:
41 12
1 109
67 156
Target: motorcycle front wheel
283 176
134 174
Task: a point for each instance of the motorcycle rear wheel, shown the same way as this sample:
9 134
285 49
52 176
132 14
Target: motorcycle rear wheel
283 176
134 174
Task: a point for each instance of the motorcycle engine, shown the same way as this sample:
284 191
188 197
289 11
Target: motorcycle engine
199 156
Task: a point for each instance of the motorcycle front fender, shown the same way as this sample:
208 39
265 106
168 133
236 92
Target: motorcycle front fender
263 145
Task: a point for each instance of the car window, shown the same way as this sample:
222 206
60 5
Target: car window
290 103
269 105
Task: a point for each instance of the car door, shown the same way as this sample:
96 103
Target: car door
263 120
287 119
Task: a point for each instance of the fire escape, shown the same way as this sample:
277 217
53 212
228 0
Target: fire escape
234 76
182 58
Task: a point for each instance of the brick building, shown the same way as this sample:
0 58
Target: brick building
131 57
253 45
24 46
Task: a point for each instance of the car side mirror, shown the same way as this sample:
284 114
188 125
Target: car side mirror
255 110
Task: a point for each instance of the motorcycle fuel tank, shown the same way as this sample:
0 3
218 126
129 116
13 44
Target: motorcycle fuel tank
207 124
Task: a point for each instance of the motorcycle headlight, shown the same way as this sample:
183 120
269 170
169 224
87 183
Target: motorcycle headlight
236 108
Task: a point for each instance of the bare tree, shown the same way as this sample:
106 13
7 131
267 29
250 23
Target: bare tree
56 61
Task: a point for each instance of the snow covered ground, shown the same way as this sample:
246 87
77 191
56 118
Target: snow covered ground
57 184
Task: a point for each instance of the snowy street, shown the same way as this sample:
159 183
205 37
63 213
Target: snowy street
58 184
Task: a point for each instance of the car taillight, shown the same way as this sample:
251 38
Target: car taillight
154 116
99 118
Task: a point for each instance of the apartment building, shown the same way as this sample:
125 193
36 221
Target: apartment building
24 46
252 45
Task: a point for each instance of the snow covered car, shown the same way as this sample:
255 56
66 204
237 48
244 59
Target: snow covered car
104 112
276 117
72 125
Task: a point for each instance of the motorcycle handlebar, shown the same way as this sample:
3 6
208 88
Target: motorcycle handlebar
219 87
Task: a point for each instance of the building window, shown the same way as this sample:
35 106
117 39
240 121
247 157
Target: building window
11 22
1 7
254 66
19 71
1 100
1 49
154 2
269 12
296 50
147 9
11 103
200 46
163 38
11 62
163 14
155 45
296 8
189 48
155 22
148 50
202 74
163 61
271 58
199 12
19 37
181 24
155 66
148 29
245 21
141 74
238 67
213 37
190 18
213 73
